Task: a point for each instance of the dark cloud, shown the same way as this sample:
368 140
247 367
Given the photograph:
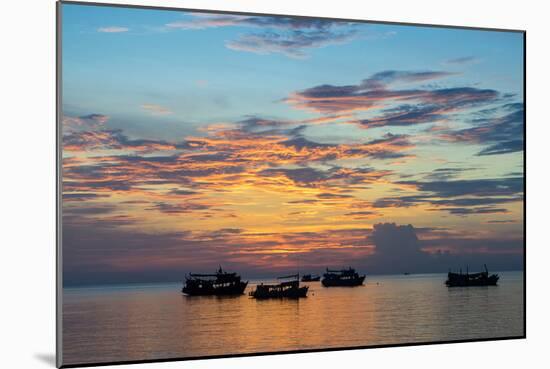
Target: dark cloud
387 155
181 192
82 196
430 105
362 214
505 147
124 172
224 153
475 210
300 143
293 44
288 36
178 208
94 117
460 97
503 134
329 196
462 60
303 176
110 140
399 202
305 201
381 80
97 209
98 185
225 231
399 249
471 187
200 21
334 177
255 126
459 197
475 201
84 122
389 146
440 174
391 139
252 123
407 115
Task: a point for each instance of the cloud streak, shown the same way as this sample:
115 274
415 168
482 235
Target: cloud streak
416 105
503 134
112 29
292 37
293 44
459 197
463 60
155 109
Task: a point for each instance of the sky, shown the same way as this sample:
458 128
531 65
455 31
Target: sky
274 144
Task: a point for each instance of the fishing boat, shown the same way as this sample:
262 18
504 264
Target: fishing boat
471 279
288 288
220 283
342 278
311 278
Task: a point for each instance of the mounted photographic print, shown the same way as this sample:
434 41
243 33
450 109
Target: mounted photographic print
236 184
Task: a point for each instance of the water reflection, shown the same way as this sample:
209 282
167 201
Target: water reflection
156 321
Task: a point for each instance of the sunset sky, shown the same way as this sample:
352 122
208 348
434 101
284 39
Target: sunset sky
268 144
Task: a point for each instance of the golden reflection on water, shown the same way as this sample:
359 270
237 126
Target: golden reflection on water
145 322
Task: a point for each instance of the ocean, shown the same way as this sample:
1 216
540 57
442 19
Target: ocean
155 321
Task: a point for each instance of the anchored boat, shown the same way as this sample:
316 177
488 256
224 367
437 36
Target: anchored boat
472 279
289 288
220 283
342 278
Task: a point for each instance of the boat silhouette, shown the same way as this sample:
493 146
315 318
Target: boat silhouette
220 283
342 278
289 288
471 279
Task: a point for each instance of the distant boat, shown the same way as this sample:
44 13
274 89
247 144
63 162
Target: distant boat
311 278
220 283
407 273
471 279
289 288
342 278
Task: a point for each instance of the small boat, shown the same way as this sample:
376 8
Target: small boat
220 283
342 278
288 288
471 279
311 278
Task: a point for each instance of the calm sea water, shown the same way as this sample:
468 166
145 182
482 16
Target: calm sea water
155 321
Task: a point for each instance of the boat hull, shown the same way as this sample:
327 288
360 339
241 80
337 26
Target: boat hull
466 282
293 293
352 282
209 290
